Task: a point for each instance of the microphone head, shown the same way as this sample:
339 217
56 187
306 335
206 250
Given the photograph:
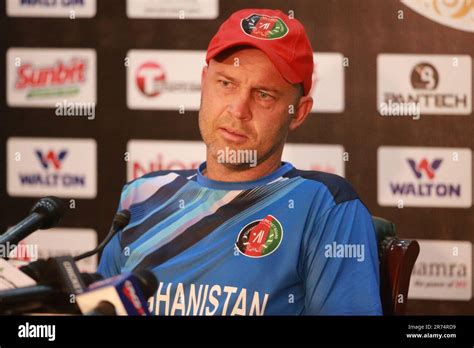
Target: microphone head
52 208
148 282
121 219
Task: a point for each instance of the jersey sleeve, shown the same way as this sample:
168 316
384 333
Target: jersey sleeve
340 263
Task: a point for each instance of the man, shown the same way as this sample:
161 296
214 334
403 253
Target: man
248 234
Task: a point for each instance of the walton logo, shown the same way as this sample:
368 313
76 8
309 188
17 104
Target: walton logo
53 158
425 166
424 188
52 178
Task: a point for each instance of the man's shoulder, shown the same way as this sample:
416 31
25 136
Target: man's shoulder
338 187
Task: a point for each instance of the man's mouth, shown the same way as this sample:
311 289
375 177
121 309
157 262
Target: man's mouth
232 135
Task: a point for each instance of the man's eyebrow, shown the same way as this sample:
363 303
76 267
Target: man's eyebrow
258 87
220 73
268 89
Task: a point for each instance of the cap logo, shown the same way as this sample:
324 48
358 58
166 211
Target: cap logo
264 27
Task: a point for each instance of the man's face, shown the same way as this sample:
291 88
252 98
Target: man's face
245 105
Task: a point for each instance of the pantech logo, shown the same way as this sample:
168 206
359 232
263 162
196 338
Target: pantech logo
44 77
51 158
150 79
62 167
424 76
431 177
432 84
164 79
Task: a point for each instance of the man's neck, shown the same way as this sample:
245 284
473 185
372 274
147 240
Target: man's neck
219 172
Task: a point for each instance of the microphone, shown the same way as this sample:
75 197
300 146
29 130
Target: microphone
121 219
36 269
128 293
58 278
45 214
28 298
34 297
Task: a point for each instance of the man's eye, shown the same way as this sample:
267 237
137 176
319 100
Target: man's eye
225 83
264 95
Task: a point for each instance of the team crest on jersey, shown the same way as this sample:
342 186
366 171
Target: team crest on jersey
260 238
264 27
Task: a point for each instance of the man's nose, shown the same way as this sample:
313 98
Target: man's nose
239 106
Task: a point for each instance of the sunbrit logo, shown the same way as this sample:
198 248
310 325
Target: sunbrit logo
424 176
62 78
264 27
44 77
260 238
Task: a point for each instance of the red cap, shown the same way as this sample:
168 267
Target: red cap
281 38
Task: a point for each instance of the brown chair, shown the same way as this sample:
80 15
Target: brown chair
396 259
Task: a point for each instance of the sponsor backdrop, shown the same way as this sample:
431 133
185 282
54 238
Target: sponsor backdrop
97 93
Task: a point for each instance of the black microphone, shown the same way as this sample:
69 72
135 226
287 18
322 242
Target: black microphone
28 298
121 219
45 214
54 298
36 269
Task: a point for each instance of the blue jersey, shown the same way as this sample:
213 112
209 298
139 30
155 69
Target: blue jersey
290 243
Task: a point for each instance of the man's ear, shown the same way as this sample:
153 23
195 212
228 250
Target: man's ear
203 74
301 111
